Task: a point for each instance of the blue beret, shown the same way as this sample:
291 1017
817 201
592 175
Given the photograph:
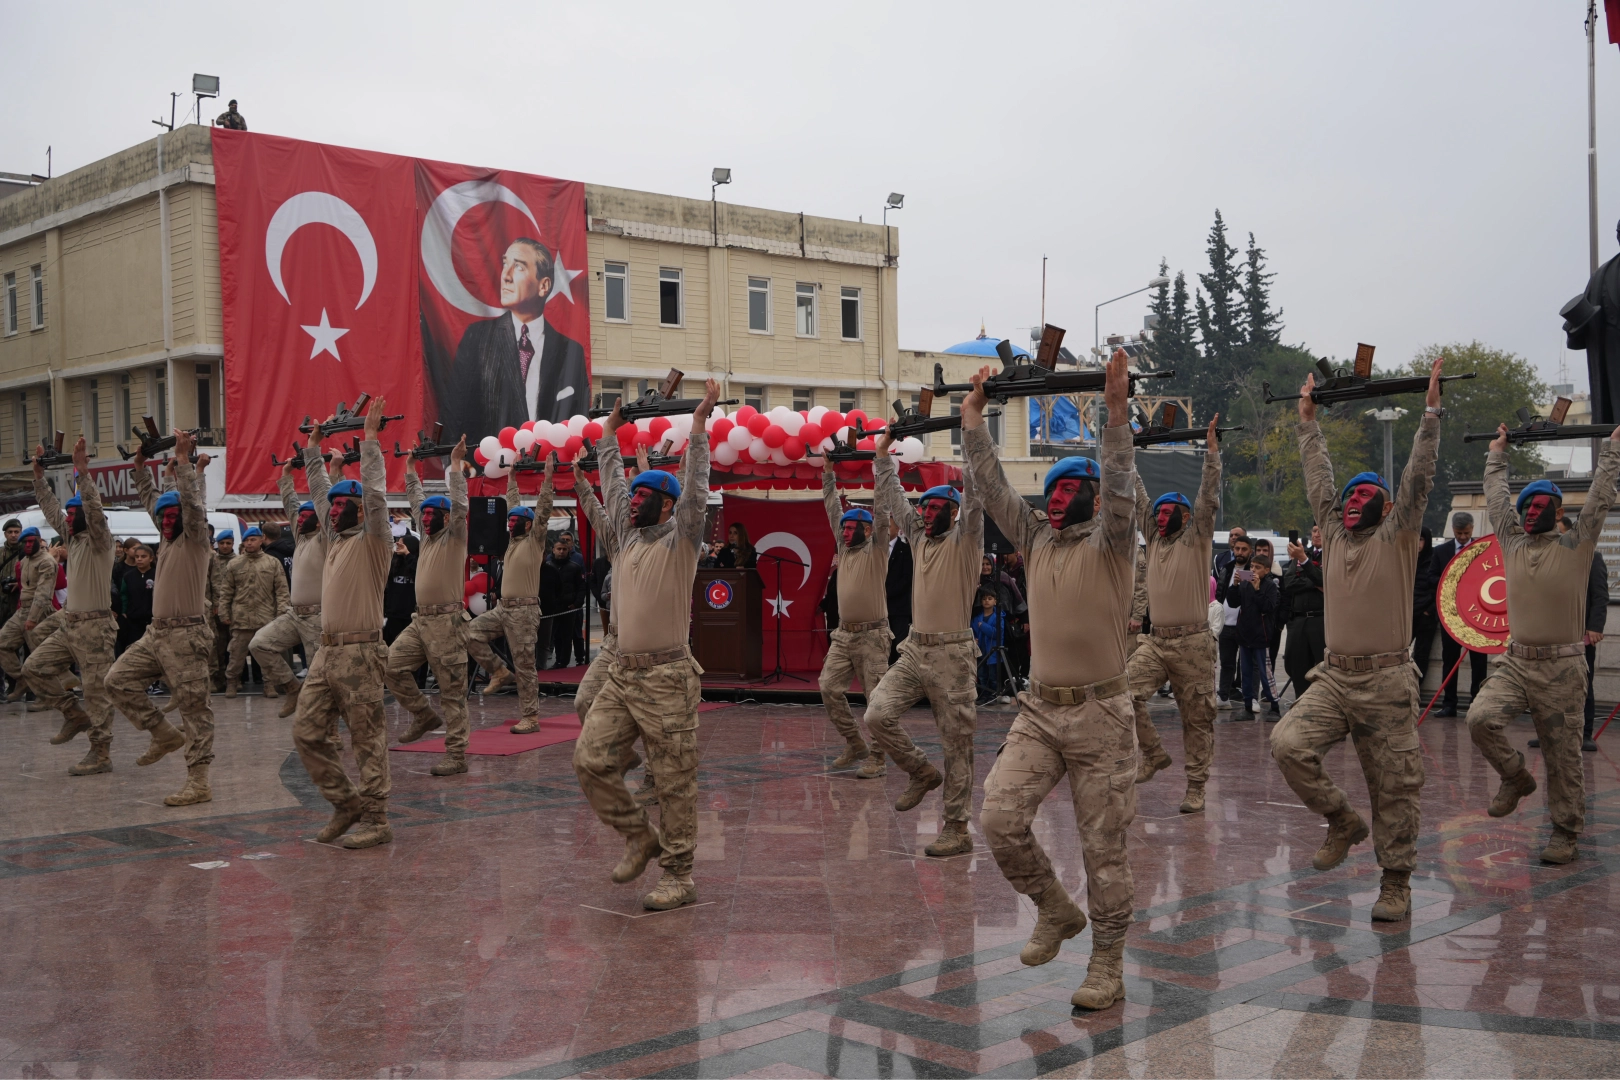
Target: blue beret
1171 497
251 530
438 502
943 491
1362 478
659 481
306 506
521 511
1537 487
858 513
77 500
345 488
1072 468
167 499
30 531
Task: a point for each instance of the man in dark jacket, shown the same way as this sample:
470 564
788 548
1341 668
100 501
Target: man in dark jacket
567 597
1302 599
280 543
898 587
1254 593
8 569
1425 616
1451 650
1240 550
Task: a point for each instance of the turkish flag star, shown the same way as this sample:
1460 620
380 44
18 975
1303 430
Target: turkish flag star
326 338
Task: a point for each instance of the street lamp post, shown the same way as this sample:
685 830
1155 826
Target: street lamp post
716 178
1096 315
1388 416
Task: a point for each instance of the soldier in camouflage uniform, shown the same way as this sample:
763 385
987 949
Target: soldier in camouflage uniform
253 593
86 631
860 646
301 623
178 643
346 676
37 575
437 634
1544 671
224 551
1366 687
231 119
653 686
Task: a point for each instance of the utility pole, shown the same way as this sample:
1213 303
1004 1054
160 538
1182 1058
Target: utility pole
1388 416
1591 133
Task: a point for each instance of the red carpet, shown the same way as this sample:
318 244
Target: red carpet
805 680
498 741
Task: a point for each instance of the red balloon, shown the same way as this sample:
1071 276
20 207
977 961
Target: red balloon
757 424
774 436
793 447
592 430
811 434
506 437
527 425
867 443
745 414
478 456
722 428
571 447
853 415
645 438
832 422
875 425
659 425
626 434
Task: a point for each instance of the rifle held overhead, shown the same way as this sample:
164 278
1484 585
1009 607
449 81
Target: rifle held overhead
1533 429
1357 384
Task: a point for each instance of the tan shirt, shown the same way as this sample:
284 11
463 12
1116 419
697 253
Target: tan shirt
309 549
1178 565
520 566
1547 573
357 559
441 565
1368 575
1079 577
863 570
38 586
180 578
90 553
944 569
655 567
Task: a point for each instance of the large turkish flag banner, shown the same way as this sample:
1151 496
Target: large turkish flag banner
796 549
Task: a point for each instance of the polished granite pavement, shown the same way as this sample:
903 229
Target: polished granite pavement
488 941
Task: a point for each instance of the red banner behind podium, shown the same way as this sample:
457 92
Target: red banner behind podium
796 550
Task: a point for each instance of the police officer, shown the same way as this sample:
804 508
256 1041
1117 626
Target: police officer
36 572
1366 687
178 642
253 593
860 646
1076 718
86 630
1180 539
516 616
301 622
231 119
437 634
939 658
653 687
1544 671
346 677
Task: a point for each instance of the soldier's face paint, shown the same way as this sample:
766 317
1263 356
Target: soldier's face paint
1170 518
30 546
1540 514
517 525
345 513
1364 506
646 507
854 533
74 519
937 516
169 522
432 520
307 521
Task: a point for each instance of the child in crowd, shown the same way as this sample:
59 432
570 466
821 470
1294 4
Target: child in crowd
989 630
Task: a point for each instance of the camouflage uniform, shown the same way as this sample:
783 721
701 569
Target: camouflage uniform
516 616
33 606
253 592
221 655
299 624
854 650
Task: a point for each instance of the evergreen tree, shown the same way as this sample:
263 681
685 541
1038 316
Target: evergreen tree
1223 332
1262 326
1160 309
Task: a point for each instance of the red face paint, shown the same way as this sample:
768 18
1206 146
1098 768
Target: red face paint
1356 503
1535 511
1057 503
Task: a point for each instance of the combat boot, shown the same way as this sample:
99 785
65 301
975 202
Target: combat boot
374 828
503 677
855 751
344 814
671 892
1060 919
1561 848
1151 765
1513 789
1345 830
1394 901
953 840
420 726
921 784
638 852
232 687
526 726
270 691
290 690
450 765
98 760
647 793
165 740
38 705
195 791
72 723
1105 977
1193 803
873 767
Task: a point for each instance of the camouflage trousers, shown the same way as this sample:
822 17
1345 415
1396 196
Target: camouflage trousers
591 685
1189 664
179 656
440 641
947 675
1553 692
863 654
1095 744
14 635
241 641
660 705
1376 710
221 648
345 681
276 640
519 624
88 643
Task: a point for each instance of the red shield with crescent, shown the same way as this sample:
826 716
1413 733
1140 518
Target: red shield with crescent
1472 598
718 594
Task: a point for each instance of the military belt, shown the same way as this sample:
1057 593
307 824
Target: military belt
519 601
353 637
941 639
1077 695
1368 663
440 609
857 627
652 659
1180 631
176 621
81 616
306 609
1545 652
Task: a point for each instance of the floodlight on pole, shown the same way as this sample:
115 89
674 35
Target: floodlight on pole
1096 315
717 177
1388 418
204 86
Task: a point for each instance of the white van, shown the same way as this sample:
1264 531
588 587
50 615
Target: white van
126 523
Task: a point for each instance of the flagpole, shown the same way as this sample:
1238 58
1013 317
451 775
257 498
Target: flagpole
1591 134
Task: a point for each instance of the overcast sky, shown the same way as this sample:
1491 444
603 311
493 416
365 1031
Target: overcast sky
1416 172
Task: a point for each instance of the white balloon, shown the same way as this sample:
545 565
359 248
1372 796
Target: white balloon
725 454
826 444
759 451
815 460
718 412
779 457
523 440
793 422
542 428
495 471
779 414
817 413
740 438
476 604
576 424
490 445
912 450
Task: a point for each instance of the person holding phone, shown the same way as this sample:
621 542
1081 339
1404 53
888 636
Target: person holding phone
1257 600
1303 607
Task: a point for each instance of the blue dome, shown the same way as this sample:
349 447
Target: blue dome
984 346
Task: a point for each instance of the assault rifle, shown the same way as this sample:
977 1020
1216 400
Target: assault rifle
52 458
351 453
1357 384
1551 429
346 419
658 401
297 459
847 451
1165 431
425 447
1038 378
916 420
153 442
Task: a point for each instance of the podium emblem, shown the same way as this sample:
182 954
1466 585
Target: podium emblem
1472 597
718 594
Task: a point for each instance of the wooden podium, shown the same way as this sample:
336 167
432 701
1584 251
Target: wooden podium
727 622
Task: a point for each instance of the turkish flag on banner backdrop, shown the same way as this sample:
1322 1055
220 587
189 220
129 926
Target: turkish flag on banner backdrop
796 549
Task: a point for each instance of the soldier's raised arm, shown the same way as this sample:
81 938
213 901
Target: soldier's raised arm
374 476
145 488
320 484
1117 523
1417 479
1015 518
1499 496
289 494
455 481
45 495
1319 489
692 508
1209 485
414 494
190 485
1599 497
890 495
835 508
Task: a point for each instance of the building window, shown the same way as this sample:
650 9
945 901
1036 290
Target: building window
992 421
801 399
92 412
804 309
754 396
11 303
846 401
205 397
157 398
612 390
39 298
617 277
669 297
850 299
19 423
122 421
759 305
